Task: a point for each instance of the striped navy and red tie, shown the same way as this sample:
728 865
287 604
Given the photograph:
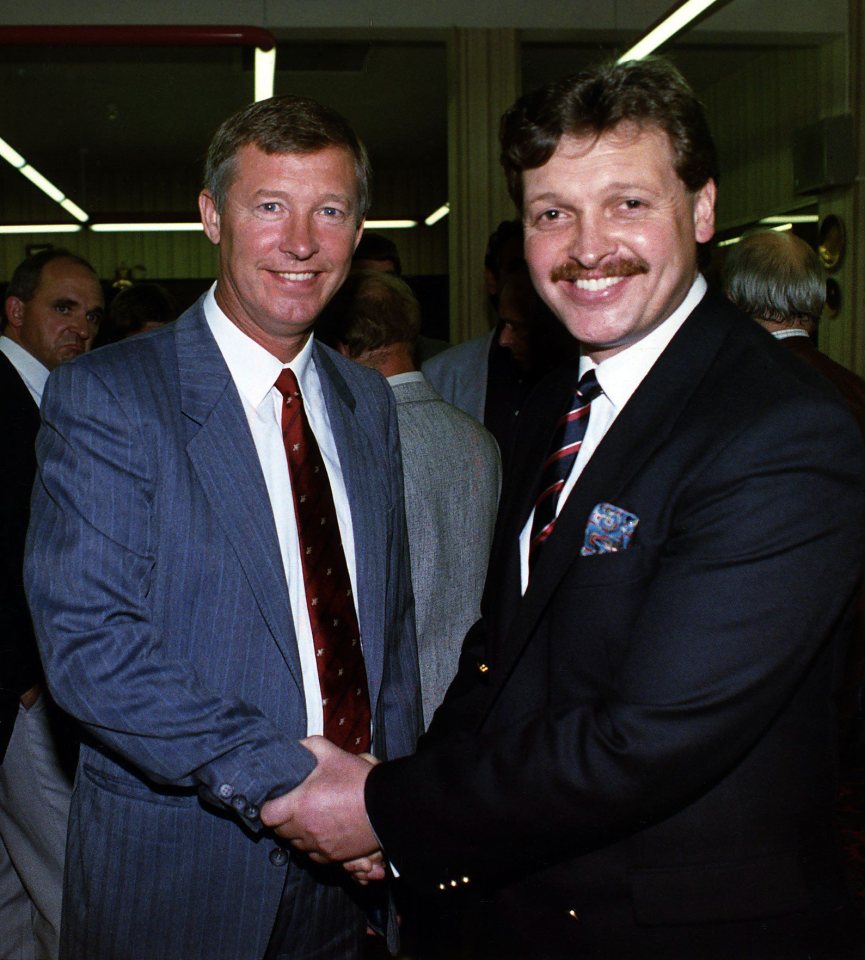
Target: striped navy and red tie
567 440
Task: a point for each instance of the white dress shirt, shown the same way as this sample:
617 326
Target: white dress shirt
254 371
619 376
32 371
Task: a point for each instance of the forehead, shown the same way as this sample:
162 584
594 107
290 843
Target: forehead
628 150
330 168
67 277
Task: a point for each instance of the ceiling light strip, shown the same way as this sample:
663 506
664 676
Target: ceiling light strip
265 71
27 228
167 227
390 224
667 28
437 215
14 159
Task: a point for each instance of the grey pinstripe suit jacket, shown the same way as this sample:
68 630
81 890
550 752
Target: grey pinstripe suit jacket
452 480
164 625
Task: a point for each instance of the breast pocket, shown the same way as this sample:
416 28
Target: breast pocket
593 611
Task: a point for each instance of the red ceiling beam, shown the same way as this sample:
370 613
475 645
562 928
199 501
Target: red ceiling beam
117 36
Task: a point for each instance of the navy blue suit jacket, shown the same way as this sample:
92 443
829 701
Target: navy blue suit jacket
643 743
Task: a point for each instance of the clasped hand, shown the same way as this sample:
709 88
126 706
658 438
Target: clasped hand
325 816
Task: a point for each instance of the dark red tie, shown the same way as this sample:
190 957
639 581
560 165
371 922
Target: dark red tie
335 632
567 440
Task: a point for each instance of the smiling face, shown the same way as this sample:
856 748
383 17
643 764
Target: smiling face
611 234
286 235
61 318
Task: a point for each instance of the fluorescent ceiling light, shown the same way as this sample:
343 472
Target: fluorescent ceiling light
44 184
70 207
786 225
671 25
390 224
11 155
437 215
265 69
25 228
793 218
176 227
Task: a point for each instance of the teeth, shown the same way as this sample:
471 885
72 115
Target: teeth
602 283
297 276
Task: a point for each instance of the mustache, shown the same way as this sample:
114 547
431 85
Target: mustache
621 268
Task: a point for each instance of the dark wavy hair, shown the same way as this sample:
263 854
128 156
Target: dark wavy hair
648 93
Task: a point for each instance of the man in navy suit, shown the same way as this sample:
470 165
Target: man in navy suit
175 581
636 757
52 312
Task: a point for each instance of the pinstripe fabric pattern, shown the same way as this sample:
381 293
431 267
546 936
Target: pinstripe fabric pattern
164 625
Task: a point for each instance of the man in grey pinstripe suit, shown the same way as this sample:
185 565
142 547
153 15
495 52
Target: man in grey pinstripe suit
164 572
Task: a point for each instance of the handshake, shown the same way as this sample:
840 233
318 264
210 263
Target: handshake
325 816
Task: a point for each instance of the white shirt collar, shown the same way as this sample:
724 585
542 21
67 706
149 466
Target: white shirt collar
621 374
32 371
790 332
413 376
253 368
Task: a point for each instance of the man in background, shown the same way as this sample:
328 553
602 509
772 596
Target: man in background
53 309
491 376
451 467
218 568
777 279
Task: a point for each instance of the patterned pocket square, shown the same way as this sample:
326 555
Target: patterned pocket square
610 529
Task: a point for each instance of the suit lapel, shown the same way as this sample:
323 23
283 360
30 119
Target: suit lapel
637 434
222 452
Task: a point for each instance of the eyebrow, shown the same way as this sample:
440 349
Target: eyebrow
328 197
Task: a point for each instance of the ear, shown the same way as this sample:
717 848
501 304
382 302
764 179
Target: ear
15 312
490 282
704 212
210 218
359 233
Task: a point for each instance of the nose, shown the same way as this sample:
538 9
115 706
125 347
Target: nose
298 238
81 325
506 336
592 240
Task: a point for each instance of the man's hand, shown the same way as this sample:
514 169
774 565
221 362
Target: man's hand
365 869
29 697
325 816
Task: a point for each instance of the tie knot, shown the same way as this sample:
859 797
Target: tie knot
287 385
588 388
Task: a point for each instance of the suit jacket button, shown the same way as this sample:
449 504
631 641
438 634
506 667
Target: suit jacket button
278 857
238 802
225 791
251 812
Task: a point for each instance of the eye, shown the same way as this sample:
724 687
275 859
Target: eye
632 203
62 308
271 206
94 318
333 213
548 217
